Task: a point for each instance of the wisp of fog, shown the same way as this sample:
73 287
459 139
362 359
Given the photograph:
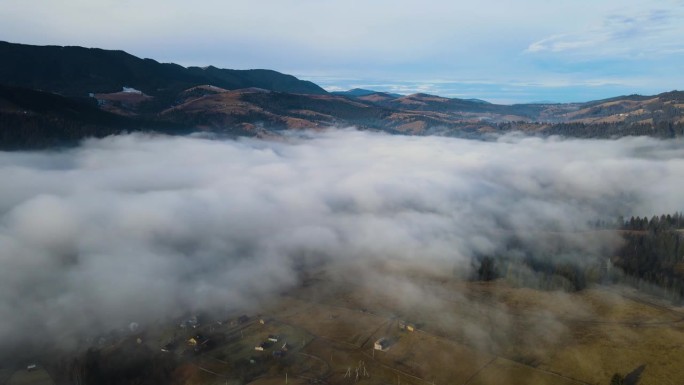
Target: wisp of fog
143 227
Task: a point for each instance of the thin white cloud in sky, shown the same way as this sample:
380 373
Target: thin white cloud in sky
652 31
496 41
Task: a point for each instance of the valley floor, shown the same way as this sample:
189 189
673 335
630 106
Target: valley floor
483 333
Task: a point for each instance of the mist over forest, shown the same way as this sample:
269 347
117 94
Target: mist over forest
137 228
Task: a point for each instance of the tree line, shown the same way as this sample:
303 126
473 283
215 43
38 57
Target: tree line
651 255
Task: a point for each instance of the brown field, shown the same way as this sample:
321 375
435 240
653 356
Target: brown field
493 333
36 377
468 333
351 327
501 371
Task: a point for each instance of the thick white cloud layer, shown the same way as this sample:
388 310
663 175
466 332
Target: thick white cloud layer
137 228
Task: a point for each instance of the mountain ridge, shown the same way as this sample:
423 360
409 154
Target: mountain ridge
95 92
78 71
357 92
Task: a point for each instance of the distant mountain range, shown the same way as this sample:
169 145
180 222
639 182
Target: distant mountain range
52 95
356 92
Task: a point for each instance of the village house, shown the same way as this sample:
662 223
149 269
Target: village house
381 344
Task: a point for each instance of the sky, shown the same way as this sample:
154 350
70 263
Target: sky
136 228
498 50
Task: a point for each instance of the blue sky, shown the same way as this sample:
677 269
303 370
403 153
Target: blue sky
497 50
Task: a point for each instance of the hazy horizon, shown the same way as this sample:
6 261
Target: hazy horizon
497 51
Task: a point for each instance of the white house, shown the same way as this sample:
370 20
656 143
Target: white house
381 344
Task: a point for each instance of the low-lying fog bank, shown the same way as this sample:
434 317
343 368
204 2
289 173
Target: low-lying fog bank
138 227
